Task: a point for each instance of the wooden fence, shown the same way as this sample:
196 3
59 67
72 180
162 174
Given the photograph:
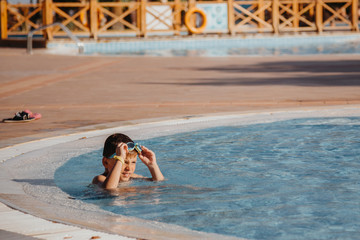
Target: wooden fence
90 18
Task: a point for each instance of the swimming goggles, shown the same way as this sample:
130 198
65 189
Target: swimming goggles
134 146
131 147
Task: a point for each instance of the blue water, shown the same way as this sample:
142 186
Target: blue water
295 179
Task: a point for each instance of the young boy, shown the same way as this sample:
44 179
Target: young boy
119 159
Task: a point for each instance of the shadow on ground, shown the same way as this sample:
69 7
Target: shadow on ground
297 73
38 182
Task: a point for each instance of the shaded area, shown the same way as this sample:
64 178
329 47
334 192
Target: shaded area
39 182
312 73
14 236
22 43
333 80
345 66
323 80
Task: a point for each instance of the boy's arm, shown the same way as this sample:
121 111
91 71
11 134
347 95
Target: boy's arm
113 178
149 159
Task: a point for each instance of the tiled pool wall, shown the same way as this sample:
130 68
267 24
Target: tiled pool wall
215 46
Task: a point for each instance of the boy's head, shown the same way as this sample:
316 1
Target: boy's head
112 142
110 146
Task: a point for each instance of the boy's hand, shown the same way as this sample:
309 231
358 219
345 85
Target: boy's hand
147 157
122 150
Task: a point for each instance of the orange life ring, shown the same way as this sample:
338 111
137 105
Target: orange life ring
84 19
188 22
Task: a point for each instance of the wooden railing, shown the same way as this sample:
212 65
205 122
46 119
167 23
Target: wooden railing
90 18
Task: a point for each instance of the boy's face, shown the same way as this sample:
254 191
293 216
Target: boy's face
129 167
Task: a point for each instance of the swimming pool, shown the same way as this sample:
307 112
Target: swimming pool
219 46
27 171
293 179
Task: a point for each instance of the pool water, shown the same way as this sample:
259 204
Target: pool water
294 179
261 45
226 51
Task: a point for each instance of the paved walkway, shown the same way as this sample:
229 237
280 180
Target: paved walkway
72 92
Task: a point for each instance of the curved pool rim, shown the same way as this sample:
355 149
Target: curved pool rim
17 188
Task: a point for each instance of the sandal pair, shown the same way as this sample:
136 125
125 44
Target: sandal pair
23 116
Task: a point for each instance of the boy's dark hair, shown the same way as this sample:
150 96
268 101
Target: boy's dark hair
112 142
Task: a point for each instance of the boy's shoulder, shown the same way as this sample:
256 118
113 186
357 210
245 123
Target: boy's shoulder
98 179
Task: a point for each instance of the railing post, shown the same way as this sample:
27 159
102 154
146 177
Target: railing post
47 18
177 17
138 15
296 17
261 15
275 16
355 15
94 19
143 18
319 16
191 4
4 23
231 21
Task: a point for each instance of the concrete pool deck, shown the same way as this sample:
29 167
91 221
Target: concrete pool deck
77 91
77 94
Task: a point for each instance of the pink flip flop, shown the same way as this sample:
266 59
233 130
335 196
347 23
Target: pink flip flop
33 115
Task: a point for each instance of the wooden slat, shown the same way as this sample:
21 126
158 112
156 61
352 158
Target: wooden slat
355 15
319 16
94 16
70 19
275 16
4 22
253 15
231 19
119 18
